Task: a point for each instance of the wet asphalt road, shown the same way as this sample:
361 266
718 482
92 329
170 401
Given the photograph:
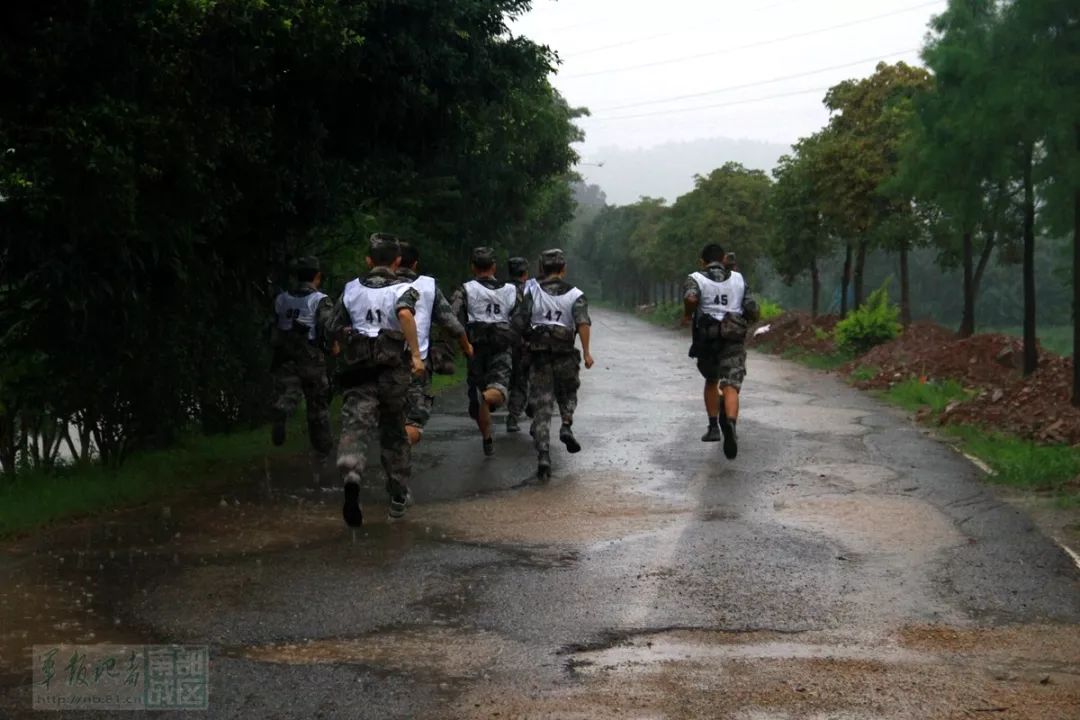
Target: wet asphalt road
845 566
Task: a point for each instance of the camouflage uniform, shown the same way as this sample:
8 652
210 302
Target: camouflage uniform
519 373
492 363
720 361
554 363
419 399
374 398
299 369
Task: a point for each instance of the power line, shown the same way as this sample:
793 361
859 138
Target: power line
646 38
760 82
761 43
707 107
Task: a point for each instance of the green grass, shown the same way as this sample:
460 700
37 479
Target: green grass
864 373
913 395
769 310
817 361
1055 338
197 462
1014 461
664 314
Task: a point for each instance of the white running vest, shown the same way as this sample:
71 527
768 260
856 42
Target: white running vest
486 305
425 309
373 310
550 309
297 309
720 298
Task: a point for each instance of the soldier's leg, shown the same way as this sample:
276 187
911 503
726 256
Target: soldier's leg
396 452
708 364
732 372
316 388
418 402
542 398
519 389
495 389
359 416
566 379
288 389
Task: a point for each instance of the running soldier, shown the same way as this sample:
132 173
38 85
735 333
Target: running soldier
299 364
519 374
552 312
720 305
432 310
374 321
484 305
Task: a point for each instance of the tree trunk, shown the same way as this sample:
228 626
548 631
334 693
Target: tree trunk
1076 287
1031 353
844 281
905 286
815 288
984 260
967 321
860 279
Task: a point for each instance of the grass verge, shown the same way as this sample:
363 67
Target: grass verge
197 462
1015 462
817 361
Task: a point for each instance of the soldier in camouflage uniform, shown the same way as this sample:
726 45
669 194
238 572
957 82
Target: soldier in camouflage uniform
374 322
484 306
432 310
519 374
719 303
299 364
551 313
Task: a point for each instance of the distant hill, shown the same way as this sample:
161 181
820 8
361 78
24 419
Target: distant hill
668 170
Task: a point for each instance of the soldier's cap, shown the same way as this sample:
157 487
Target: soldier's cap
384 240
554 256
517 265
307 263
483 255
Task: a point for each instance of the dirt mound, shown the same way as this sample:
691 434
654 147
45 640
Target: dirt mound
989 366
797 330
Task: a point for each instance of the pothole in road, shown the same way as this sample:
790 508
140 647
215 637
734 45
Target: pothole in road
603 507
444 652
853 475
878 524
768 676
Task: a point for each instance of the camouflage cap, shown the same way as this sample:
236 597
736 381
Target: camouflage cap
307 263
483 256
517 265
554 256
383 240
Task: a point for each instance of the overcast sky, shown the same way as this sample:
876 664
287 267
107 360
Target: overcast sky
744 47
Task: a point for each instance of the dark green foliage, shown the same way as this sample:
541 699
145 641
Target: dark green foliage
160 163
874 323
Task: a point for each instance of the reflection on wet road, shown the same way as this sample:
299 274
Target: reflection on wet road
845 566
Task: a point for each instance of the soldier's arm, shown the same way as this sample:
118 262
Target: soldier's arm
580 311
458 304
750 308
691 299
406 313
443 316
336 322
323 312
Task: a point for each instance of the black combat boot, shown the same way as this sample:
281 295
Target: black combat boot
566 435
731 439
489 446
512 424
354 516
713 434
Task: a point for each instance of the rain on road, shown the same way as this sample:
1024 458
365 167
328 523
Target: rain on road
845 566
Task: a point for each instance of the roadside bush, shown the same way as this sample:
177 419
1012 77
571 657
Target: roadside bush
769 310
874 323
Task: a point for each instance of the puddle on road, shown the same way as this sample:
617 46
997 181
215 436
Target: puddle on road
766 676
575 511
880 524
443 652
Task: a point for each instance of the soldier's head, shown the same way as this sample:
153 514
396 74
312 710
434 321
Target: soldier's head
384 250
306 270
712 253
482 261
410 255
519 268
553 263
